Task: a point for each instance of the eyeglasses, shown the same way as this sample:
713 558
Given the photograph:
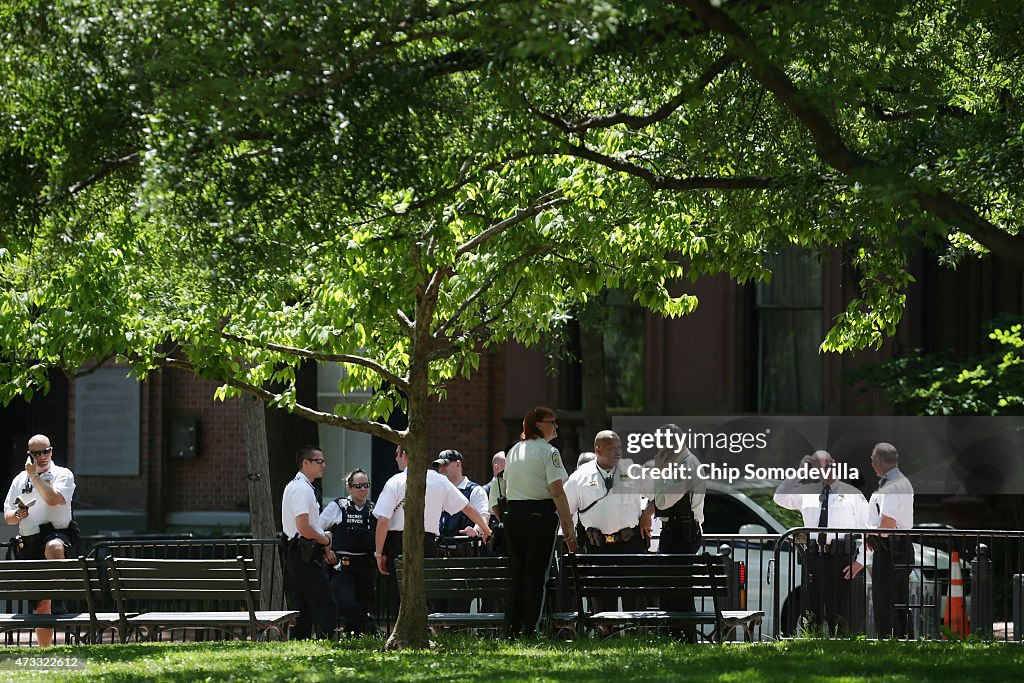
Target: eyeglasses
318 461
36 454
550 422
365 485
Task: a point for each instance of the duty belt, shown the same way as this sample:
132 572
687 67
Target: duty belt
598 538
838 546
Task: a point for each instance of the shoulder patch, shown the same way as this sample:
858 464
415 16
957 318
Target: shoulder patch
556 460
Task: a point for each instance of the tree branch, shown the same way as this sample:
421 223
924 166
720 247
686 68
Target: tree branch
833 150
659 181
637 122
456 346
551 200
308 354
107 167
480 291
377 429
881 113
88 371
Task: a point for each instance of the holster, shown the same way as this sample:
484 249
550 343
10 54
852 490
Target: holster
685 524
307 548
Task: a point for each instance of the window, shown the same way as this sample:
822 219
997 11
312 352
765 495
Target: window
620 323
624 353
789 325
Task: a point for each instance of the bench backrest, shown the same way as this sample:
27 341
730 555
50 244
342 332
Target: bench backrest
650 575
49 579
177 580
464 577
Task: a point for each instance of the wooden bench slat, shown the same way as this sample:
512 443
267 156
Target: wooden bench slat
703 576
465 579
185 583
215 580
71 580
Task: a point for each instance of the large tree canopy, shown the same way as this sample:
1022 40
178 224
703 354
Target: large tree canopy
872 126
227 202
234 190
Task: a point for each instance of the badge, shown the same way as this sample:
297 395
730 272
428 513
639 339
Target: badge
556 460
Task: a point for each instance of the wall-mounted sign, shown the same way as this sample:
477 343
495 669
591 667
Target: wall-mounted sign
107 423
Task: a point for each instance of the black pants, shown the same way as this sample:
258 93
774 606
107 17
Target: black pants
392 550
680 538
890 586
531 526
634 545
829 597
309 593
352 588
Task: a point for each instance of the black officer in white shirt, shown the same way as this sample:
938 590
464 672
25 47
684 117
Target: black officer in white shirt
607 500
608 503
308 550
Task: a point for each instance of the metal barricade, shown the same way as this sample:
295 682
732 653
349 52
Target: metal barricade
921 607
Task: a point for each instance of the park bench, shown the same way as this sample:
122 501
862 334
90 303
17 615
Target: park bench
72 581
651 575
461 581
171 582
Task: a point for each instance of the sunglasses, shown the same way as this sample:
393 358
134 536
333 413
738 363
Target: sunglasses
36 454
318 461
359 486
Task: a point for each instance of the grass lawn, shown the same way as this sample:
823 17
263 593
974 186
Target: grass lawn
469 659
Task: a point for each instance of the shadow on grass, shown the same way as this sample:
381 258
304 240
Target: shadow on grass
463 658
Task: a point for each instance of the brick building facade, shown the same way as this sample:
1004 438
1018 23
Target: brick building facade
711 362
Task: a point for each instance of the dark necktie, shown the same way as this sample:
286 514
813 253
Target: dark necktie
881 482
823 516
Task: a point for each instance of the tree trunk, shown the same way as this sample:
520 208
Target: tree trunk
261 502
592 365
411 629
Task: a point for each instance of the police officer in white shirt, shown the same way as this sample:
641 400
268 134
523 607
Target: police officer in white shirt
608 502
308 552
440 495
39 502
891 507
831 561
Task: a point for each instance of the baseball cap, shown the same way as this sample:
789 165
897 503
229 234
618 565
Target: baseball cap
446 457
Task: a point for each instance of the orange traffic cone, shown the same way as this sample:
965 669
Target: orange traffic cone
956 618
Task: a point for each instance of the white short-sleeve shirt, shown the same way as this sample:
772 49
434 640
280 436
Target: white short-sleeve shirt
894 499
619 509
299 498
440 495
61 480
